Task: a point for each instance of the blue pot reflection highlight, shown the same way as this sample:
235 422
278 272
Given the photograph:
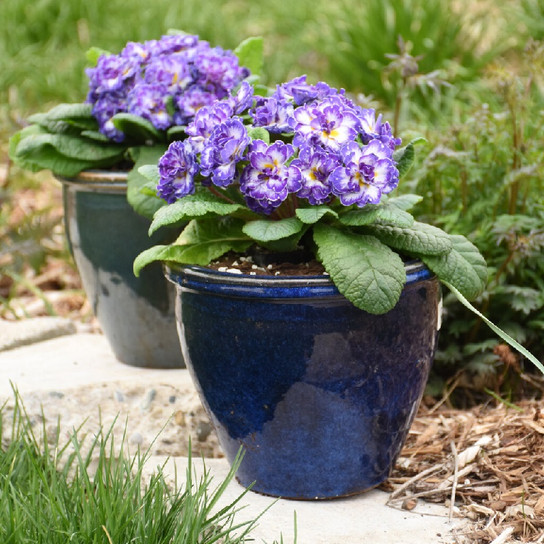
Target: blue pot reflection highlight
320 394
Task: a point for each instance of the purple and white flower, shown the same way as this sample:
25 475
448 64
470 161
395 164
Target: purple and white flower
273 114
178 70
330 123
300 92
367 174
323 149
172 72
205 121
315 166
373 128
177 168
223 151
267 180
149 102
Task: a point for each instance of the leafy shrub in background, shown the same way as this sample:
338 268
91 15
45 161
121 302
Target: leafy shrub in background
484 178
531 14
446 41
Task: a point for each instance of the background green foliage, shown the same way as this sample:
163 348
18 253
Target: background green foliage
462 74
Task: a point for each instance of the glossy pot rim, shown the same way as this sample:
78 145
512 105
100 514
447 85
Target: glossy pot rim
113 181
203 279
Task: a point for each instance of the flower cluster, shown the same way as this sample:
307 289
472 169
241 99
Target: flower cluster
165 81
305 140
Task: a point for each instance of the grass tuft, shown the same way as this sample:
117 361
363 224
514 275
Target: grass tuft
93 493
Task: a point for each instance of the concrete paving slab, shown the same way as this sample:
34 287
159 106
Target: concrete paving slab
29 331
362 519
85 360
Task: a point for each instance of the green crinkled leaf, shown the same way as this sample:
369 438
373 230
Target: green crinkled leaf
386 212
263 230
136 128
250 54
64 155
405 202
150 172
404 157
463 267
259 133
56 127
418 239
200 243
365 271
141 202
312 215
191 207
79 115
75 148
95 135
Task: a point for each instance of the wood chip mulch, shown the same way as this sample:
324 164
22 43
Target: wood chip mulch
485 464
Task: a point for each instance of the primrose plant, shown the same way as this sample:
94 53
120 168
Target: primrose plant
138 101
303 167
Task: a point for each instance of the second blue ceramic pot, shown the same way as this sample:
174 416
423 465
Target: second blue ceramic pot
320 394
105 235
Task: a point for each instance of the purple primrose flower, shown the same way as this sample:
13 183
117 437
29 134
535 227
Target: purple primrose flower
372 128
273 114
300 92
180 71
267 180
367 174
315 166
149 102
205 121
223 151
177 168
329 122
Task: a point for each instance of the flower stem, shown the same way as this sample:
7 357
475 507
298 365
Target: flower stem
221 195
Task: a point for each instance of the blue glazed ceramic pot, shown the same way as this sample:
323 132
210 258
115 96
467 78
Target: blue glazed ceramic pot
319 393
105 235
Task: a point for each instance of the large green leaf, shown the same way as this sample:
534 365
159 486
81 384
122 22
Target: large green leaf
419 239
312 215
78 114
74 148
263 230
250 54
36 150
189 207
200 243
137 128
463 267
385 212
405 202
364 270
142 202
150 172
259 133
57 127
